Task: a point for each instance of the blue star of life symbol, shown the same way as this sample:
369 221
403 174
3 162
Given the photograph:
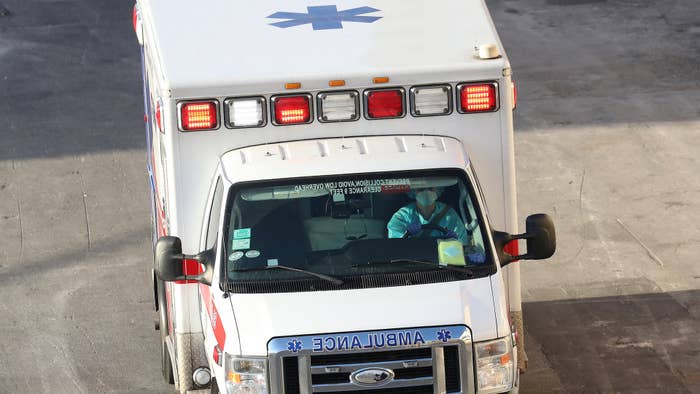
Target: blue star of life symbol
294 345
324 17
444 335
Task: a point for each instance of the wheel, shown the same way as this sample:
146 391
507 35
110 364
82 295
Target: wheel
428 226
166 364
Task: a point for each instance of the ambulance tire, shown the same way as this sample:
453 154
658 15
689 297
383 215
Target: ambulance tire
165 361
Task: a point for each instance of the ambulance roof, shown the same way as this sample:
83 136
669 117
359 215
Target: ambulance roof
237 47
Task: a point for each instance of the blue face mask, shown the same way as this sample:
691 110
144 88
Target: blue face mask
426 198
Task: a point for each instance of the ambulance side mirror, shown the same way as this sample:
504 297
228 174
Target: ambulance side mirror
172 265
541 237
168 259
539 234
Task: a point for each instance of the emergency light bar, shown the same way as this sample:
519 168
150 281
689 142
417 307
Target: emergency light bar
478 97
431 100
245 112
338 106
198 115
291 109
385 103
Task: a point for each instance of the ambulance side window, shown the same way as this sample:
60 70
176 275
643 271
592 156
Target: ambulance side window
212 230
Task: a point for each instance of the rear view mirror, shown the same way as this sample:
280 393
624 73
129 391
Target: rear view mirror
168 259
172 265
540 236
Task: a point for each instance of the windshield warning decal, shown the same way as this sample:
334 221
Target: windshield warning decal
358 186
324 17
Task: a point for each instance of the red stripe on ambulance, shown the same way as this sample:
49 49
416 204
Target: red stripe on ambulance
216 324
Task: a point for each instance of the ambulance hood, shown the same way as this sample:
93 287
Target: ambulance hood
261 317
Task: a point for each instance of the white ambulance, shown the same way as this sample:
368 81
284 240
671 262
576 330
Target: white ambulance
318 221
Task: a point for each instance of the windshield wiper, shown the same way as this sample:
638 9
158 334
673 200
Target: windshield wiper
457 268
329 278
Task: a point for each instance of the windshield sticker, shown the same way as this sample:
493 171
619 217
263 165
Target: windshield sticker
251 254
241 233
272 262
356 186
338 197
238 244
235 256
450 252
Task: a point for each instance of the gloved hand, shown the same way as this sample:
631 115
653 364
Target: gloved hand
477 257
450 235
414 228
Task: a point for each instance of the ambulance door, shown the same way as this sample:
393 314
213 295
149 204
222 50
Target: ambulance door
211 300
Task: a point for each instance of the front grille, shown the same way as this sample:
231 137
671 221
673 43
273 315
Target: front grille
290 371
452 379
355 358
413 371
401 361
398 390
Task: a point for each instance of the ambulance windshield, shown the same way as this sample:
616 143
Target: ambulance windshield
388 229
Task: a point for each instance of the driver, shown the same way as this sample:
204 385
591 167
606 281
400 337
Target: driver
427 210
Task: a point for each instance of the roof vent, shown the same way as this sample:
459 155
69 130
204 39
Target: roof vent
487 51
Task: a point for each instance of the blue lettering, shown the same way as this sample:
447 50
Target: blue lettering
418 337
379 340
330 340
370 344
343 343
318 344
376 340
405 339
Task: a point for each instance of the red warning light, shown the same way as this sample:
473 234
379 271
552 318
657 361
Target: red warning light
201 115
477 98
292 109
382 104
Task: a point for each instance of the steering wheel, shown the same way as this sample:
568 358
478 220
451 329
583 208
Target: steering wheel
428 226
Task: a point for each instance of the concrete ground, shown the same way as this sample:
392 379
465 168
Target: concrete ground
608 126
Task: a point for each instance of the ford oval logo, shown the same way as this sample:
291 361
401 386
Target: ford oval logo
372 377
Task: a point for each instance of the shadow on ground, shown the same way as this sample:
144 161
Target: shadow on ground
643 343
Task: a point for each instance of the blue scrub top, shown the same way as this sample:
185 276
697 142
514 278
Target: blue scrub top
410 214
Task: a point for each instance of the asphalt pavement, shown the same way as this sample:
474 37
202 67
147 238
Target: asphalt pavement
607 143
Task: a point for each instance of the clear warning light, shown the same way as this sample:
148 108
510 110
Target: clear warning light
338 107
431 100
245 112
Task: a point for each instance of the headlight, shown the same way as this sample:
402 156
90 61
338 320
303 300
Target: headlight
246 375
494 365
